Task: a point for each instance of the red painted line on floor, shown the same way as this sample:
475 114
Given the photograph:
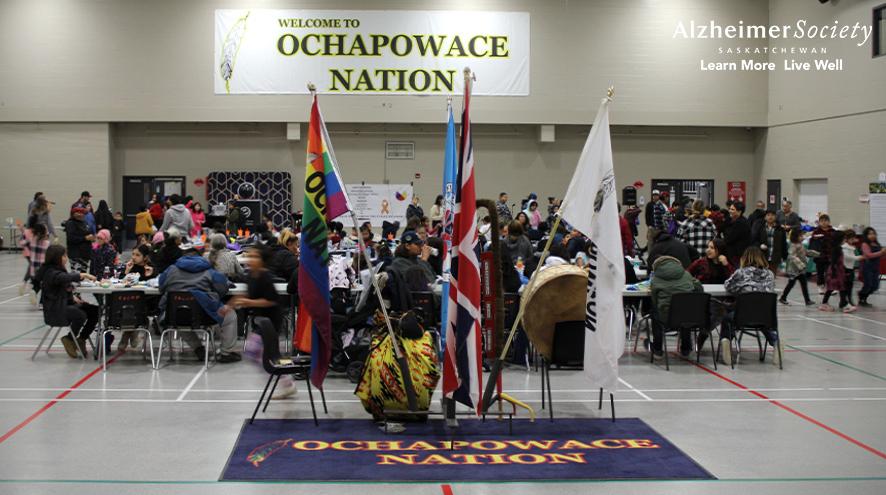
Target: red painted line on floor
53 402
447 490
793 411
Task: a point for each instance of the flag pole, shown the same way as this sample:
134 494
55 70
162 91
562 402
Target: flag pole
488 394
398 351
497 365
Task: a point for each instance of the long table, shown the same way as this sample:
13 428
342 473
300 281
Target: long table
238 289
715 290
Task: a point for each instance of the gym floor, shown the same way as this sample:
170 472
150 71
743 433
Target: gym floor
817 427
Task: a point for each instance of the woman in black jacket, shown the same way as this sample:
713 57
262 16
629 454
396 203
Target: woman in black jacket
61 308
104 218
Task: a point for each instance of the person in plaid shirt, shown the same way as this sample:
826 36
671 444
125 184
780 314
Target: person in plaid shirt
35 241
697 231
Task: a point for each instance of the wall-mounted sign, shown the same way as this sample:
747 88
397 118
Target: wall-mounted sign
370 52
737 191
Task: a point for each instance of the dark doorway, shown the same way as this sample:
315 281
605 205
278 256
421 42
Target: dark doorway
137 191
693 189
773 194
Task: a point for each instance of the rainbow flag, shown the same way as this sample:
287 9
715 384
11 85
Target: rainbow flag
324 201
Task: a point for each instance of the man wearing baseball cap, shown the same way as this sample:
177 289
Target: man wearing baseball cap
411 260
79 240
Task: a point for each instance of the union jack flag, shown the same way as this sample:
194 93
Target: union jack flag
462 363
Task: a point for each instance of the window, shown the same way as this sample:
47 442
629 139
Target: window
879 38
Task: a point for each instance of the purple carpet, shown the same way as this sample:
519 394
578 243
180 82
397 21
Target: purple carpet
348 450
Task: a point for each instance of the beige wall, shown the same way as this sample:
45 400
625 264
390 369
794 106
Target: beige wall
849 152
136 60
59 159
859 87
508 158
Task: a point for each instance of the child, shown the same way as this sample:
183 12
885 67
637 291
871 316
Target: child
850 259
117 230
138 263
795 267
198 218
36 242
871 252
104 256
835 275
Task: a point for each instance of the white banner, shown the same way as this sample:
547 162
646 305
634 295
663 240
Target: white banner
370 51
377 203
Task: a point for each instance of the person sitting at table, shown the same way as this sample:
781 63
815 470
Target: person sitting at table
384 257
104 256
191 273
138 263
222 259
516 244
169 251
753 276
413 253
61 308
669 278
284 256
713 267
557 255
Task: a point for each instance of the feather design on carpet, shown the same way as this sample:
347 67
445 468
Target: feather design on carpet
262 452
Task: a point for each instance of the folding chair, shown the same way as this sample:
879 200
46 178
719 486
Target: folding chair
52 341
184 314
297 366
49 330
689 311
568 349
126 311
756 313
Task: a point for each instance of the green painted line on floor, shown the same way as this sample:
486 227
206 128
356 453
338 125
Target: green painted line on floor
273 482
38 327
839 363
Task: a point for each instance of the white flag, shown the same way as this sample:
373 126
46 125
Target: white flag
590 206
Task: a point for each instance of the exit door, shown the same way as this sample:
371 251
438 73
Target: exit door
137 191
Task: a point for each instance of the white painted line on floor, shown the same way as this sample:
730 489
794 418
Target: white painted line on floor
191 384
13 299
517 390
866 319
356 401
11 286
845 328
641 394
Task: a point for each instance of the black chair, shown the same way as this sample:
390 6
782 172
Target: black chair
689 311
298 366
756 313
425 307
568 350
184 314
126 311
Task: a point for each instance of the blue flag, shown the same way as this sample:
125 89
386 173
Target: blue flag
450 170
